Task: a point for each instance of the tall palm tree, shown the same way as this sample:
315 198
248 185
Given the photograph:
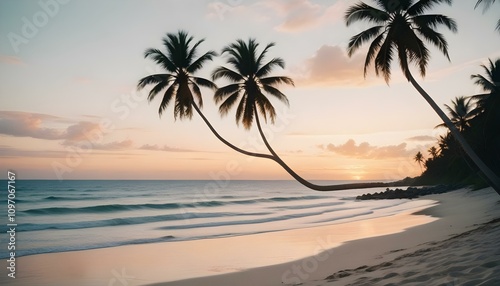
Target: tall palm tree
419 158
398 28
461 112
486 5
251 85
180 85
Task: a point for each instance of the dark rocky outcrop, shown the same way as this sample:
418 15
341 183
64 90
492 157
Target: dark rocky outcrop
409 193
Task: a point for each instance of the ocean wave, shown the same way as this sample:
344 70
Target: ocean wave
127 221
42 250
165 206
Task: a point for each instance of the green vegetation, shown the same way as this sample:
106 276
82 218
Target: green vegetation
478 119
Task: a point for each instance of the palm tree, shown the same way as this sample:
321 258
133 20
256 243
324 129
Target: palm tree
250 87
461 112
486 6
179 83
433 152
398 28
419 158
489 83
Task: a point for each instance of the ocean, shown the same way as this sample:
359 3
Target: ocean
56 216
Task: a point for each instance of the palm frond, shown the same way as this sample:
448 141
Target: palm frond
264 52
154 78
276 93
486 4
204 82
437 39
248 113
372 50
364 12
228 103
240 109
193 51
356 41
197 93
167 97
432 21
423 5
383 59
198 63
224 91
223 72
160 59
157 89
265 108
266 69
276 80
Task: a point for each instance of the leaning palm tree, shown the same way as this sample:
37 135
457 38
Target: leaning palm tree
461 112
419 158
486 5
250 89
399 27
180 85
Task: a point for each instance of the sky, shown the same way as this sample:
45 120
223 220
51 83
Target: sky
69 107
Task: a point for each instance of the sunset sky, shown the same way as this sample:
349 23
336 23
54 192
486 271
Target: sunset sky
69 108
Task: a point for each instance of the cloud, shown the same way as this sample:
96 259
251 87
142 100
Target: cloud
424 138
164 148
111 146
331 66
292 15
366 151
11 60
24 124
302 15
35 125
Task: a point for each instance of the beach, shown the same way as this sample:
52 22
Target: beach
451 241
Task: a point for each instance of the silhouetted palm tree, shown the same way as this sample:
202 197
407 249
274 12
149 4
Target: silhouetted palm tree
489 83
398 28
461 112
486 6
180 85
419 158
433 151
250 87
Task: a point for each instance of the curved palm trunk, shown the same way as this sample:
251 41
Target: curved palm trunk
490 177
227 142
301 180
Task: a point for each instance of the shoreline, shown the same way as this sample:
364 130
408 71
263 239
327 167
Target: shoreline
458 212
165 263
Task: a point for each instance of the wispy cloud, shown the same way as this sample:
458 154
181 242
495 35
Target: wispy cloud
163 148
41 126
11 60
422 138
366 151
330 65
25 124
293 16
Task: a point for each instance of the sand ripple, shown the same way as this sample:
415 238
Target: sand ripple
471 258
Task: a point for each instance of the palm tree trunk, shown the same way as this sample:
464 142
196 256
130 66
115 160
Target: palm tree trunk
301 180
227 142
490 177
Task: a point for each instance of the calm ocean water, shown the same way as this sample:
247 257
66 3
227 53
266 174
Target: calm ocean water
55 216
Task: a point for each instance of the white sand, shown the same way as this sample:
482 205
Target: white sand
315 253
